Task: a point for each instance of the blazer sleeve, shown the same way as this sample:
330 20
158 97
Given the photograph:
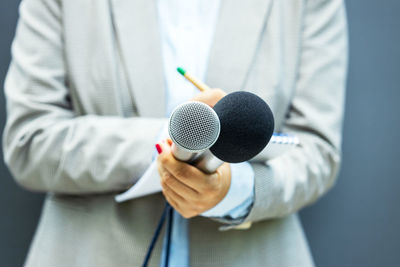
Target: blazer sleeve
288 183
46 146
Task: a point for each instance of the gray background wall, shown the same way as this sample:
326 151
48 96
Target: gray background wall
357 223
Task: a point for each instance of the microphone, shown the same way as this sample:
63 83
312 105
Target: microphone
239 127
193 128
247 125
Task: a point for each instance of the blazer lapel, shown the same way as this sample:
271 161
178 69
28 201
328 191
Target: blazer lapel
138 37
237 34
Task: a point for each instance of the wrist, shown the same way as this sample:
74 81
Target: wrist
224 182
240 194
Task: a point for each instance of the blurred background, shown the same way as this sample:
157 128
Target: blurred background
357 223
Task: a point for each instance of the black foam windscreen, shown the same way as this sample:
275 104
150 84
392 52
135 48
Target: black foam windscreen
247 124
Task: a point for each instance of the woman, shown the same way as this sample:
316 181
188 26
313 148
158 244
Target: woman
88 94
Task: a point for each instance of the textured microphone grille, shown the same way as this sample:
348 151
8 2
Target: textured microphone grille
194 126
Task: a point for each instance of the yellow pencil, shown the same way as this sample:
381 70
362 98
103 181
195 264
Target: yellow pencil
200 85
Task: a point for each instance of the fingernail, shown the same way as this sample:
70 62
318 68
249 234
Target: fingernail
169 141
158 147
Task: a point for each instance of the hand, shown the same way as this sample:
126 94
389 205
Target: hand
210 97
186 188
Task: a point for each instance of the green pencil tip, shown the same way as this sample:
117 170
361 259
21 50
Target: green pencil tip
181 71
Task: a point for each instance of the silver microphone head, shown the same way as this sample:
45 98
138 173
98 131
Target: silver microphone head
194 126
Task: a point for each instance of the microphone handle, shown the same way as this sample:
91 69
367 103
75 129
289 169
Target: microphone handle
203 160
183 154
207 162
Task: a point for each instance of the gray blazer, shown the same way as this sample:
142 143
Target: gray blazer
85 102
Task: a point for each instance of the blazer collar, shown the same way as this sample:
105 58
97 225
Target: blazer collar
237 34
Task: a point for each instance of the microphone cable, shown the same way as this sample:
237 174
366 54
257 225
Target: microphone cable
167 212
168 234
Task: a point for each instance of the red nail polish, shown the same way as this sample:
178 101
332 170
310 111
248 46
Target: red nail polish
158 147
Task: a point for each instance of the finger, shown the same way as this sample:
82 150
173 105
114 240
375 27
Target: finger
176 205
186 187
210 97
218 91
169 141
210 101
193 207
167 179
161 149
185 173
171 201
186 213
173 195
